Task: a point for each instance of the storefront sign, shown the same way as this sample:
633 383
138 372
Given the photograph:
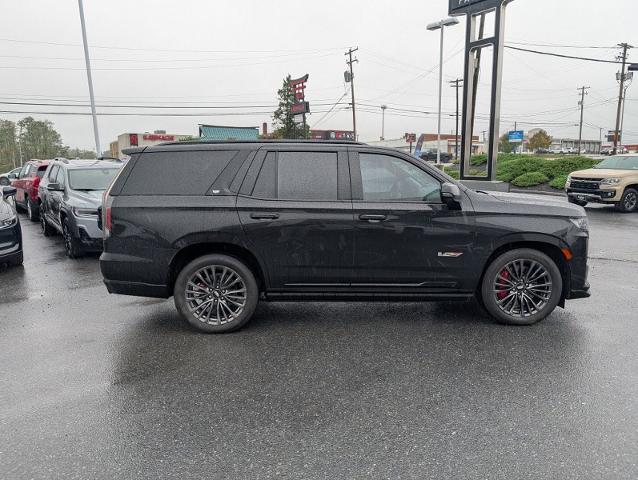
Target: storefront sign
157 137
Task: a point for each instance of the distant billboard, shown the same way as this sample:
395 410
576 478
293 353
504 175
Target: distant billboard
516 136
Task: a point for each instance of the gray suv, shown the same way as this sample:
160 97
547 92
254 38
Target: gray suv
71 193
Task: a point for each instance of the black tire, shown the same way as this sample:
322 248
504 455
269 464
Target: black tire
47 230
72 246
575 201
4 181
491 295
212 294
32 211
628 202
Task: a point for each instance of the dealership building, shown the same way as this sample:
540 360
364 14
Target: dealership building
146 139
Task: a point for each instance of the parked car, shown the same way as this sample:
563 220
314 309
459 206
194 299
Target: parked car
71 193
613 181
10 231
221 225
430 155
27 184
5 178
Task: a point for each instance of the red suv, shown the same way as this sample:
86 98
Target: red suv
27 183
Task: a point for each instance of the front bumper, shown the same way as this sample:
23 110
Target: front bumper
597 196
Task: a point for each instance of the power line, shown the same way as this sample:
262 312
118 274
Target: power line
38 104
556 45
560 55
13 40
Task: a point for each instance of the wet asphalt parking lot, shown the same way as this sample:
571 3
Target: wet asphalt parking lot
98 386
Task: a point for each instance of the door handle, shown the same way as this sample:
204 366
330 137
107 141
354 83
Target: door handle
373 218
264 216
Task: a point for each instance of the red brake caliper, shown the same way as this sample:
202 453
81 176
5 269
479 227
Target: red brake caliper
502 289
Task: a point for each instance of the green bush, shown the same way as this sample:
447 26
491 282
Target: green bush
559 182
567 165
530 179
510 169
453 173
478 160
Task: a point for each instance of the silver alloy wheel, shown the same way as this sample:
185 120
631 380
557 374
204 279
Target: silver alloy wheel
68 241
215 295
523 288
631 199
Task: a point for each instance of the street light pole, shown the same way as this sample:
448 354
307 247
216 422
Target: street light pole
98 150
432 27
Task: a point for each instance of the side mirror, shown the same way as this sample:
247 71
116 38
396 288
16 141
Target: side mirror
450 193
8 192
54 187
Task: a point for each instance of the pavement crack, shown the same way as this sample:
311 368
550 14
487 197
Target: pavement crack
609 259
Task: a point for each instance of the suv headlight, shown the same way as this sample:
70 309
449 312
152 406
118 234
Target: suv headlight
569 181
9 222
610 181
84 212
582 223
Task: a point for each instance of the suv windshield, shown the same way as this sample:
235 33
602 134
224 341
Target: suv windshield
619 163
91 179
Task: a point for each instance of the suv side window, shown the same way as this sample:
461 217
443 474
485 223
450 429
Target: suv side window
59 179
53 173
176 173
390 179
23 172
298 176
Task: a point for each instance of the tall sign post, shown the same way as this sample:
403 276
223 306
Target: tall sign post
300 108
472 10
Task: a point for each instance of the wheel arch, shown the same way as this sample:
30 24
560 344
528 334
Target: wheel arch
196 250
548 245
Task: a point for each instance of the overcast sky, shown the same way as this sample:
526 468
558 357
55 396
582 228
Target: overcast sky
235 53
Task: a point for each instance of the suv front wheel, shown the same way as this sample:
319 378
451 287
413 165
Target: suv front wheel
216 293
628 201
521 287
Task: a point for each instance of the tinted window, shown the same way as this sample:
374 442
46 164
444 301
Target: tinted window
23 172
266 185
387 178
176 173
91 179
41 171
307 176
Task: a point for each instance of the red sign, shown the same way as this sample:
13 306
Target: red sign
299 108
410 137
299 85
155 137
132 140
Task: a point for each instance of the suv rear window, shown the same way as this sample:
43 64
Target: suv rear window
176 173
298 176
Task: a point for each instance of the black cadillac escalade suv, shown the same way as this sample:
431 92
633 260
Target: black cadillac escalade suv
221 225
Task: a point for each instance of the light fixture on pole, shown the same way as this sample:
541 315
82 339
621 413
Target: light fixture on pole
440 25
383 107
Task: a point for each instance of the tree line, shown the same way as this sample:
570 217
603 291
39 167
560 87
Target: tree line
29 138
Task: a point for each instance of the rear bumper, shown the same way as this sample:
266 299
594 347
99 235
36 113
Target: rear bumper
579 293
136 289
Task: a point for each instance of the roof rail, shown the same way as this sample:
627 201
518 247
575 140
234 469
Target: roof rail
266 140
110 159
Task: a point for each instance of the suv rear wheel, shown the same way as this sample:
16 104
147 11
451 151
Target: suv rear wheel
32 211
216 293
521 287
628 201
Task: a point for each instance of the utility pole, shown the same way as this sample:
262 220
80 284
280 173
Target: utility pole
383 107
458 83
354 112
583 92
98 150
625 47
